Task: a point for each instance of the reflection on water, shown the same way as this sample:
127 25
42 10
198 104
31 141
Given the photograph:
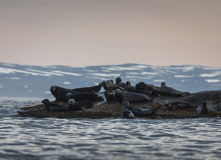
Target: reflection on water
51 138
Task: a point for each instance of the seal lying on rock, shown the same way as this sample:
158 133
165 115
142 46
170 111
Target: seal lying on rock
60 93
109 96
131 88
93 89
127 114
50 107
172 92
112 87
180 105
138 111
77 106
142 86
200 97
204 110
84 96
149 89
119 82
105 83
121 96
109 86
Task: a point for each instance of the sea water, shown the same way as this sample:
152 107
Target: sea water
53 138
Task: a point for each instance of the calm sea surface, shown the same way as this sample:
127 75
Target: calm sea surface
51 138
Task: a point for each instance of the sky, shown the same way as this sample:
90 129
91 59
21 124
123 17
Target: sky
108 32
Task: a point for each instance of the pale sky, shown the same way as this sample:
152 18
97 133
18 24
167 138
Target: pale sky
103 32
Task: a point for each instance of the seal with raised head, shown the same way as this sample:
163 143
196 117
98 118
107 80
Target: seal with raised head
105 83
93 89
118 80
60 93
129 87
140 112
85 96
172 92
121 96
77 106
109 96
50 107
111 87
204 108
127 114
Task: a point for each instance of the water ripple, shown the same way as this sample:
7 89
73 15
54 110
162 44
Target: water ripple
52 138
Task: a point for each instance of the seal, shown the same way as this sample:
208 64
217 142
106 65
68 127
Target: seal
149 89
118 80
109 96
199 97
60 93
127 114
77 106
118 96
121 96
93 89
156 91
131 88
204 108
172 92
142 86
122 85
50 107
111 87
84 96
140 112
105 83
180 105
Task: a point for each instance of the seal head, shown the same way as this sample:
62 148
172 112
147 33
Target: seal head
118 80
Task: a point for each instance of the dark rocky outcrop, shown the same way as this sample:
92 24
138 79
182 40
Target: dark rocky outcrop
185 106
